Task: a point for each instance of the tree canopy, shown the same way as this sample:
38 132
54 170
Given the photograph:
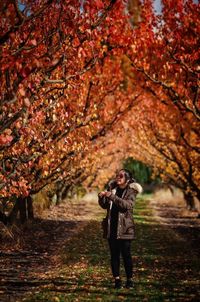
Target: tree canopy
86 84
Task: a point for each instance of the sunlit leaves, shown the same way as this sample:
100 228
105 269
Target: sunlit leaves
70 74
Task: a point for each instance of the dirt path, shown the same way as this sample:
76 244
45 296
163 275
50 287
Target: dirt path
34 262
175 215
166 239
185 223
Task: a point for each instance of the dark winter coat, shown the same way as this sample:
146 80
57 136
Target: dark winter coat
125 204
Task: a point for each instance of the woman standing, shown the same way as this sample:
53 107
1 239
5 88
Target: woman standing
118 225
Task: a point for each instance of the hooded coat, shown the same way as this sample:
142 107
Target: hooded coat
125 204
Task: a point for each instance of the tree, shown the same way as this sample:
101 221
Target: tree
51 62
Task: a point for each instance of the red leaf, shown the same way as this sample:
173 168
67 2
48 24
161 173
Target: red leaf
5 139
27 102
99 4
34 42
22 92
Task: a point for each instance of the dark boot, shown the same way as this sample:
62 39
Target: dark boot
118 283
129 283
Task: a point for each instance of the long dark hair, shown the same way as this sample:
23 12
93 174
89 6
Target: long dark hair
128 175
111 185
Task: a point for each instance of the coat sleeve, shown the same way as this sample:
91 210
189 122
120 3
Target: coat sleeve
124 203
103 202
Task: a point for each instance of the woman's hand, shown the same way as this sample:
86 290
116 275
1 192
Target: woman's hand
101 194
104 193
107 194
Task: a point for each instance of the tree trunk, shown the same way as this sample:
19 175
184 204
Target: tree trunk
22 209
65 191
3 218
189 201
20 206
61 192
171 189
30 207
13 214
23 206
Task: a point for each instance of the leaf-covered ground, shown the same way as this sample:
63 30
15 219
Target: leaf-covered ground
76 265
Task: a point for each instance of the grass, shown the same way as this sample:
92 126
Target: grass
166 268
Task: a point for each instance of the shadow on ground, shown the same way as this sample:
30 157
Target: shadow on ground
166 263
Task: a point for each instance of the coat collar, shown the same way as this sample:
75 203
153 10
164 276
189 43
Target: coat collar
115 190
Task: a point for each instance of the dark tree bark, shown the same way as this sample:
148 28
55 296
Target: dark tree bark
189 201
61 191
13 214
3 218
23 206
65 191
30 212
59 186
22 209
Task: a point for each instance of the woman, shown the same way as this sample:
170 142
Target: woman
118 225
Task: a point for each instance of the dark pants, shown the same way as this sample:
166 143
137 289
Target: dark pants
123 247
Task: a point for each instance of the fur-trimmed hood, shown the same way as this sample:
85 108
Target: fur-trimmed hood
137 187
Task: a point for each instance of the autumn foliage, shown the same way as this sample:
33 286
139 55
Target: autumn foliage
85 84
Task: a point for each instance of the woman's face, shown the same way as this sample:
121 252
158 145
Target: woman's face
120 179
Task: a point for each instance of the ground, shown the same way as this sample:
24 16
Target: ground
63 256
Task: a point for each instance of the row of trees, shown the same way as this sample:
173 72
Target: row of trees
78 79
170 70
55 75
162 130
